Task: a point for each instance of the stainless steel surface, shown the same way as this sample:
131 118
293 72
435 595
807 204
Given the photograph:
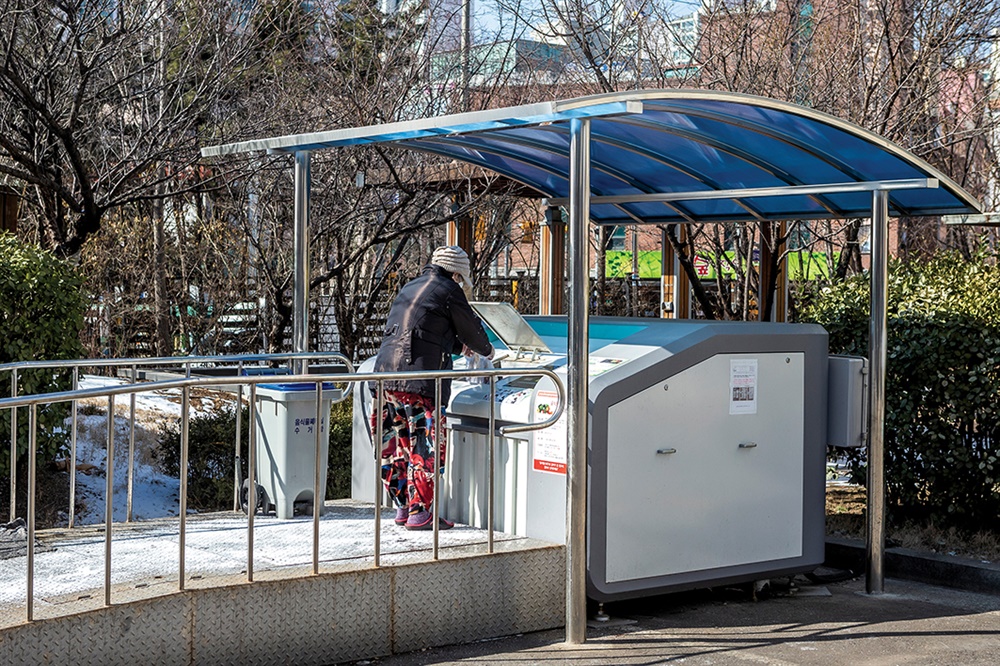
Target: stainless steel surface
524 115
32 427
436 457
131 453
509 326
109 499
237 472
13 447
251 481
206 382
379 435
300 323
72 453
877 344
491 466
187 362
577 383
182 492
319 489
466 43
785 190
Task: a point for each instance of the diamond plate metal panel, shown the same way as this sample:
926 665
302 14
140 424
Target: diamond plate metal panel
330 618
315 620
451 602
153 631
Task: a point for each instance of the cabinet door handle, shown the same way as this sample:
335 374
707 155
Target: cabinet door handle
748 445
665 451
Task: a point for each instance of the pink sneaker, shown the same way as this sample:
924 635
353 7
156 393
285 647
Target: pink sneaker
425 521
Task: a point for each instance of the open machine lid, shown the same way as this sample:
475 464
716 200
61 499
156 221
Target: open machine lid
510 326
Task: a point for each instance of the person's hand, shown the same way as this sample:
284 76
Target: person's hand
493 351
467 352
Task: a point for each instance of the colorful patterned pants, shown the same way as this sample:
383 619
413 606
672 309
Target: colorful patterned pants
408 449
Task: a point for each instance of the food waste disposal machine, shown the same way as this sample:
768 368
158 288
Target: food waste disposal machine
707 447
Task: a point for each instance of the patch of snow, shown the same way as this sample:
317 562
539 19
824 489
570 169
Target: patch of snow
154 494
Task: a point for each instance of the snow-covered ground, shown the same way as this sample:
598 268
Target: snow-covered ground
216 545
148 553
154 494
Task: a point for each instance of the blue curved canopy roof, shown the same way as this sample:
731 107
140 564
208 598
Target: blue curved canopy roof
663 142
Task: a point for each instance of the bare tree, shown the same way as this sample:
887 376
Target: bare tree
914 71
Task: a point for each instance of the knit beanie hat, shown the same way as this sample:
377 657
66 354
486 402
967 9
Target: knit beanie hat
452 258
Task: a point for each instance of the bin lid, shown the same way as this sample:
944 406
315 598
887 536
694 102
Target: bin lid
296 386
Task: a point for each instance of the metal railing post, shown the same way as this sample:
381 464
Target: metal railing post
239 438
182 492
131 451
32 454
251 479
300 241
109 499
13 448
877 344
491 468
319 493
438 449
577 378
72 453
379 435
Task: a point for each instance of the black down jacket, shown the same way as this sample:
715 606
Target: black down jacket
428 322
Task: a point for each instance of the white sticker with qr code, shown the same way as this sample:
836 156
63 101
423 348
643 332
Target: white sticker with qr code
743 386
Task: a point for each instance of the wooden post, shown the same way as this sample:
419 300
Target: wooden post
552 263
675 287
8 210
459 231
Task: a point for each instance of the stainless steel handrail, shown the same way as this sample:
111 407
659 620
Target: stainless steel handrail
185 385
171 360
186 362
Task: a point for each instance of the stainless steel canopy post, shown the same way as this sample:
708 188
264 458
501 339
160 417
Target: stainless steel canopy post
877 343
578 319
300 325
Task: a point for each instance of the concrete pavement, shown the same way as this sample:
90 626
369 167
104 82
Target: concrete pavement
805 623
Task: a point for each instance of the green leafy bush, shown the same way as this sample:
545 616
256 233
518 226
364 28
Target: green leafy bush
942 433
212 456
41 316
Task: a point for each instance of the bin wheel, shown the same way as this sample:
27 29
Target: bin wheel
262 501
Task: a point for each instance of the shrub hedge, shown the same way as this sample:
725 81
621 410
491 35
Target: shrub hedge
41 316
942 433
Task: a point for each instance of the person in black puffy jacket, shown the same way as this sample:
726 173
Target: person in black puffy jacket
429 321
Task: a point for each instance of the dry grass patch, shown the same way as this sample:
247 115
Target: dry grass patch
846 518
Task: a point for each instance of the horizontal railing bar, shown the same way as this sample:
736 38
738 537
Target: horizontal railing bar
66 396
171 360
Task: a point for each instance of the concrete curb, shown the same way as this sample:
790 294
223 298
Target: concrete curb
931 568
